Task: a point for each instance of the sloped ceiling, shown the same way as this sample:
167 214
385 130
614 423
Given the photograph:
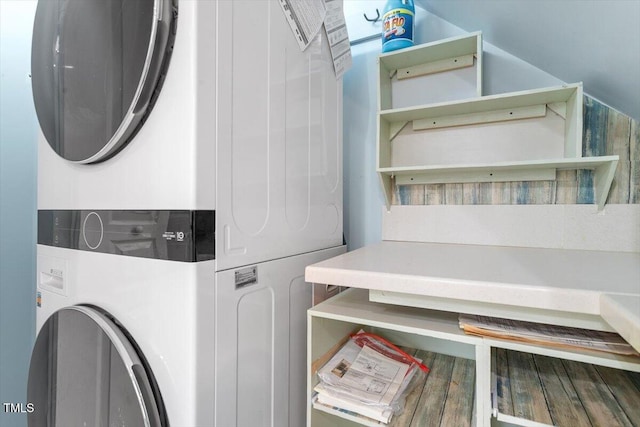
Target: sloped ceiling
593 41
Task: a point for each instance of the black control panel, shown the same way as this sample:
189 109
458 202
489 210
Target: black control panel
175 235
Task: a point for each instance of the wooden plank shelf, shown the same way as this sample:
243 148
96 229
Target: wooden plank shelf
531 389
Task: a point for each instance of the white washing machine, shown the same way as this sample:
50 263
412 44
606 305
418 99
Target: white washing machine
190 168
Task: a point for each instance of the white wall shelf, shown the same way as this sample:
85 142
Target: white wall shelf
403 74
564 101
517 136
534 170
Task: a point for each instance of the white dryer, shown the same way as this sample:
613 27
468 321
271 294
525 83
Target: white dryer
190 167
235 119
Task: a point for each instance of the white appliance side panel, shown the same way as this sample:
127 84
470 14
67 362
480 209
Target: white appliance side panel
250 141
156 170
279 139
165 305
260 343
205 93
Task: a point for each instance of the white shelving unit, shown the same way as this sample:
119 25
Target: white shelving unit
519 136
435 127
438 332
398 290
558 286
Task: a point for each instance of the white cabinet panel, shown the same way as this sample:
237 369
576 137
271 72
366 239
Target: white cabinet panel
260 342
279 141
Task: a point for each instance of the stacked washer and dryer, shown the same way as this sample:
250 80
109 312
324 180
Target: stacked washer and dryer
190 167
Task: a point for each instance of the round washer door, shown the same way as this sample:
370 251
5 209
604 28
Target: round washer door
96 68
85 372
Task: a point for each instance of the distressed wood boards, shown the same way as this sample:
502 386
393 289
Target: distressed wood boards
526 394
445 397
565 393
624 386
634 170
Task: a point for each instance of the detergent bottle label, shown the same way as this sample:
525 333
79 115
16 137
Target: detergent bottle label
397 24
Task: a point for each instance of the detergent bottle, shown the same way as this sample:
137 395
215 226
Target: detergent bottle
397 25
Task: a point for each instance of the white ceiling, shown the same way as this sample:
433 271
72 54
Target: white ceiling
593 41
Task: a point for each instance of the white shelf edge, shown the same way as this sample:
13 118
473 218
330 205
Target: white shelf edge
550 95
486 308
409 57
600 358
623 314
544 169
353 306
513 420
560 163
345 414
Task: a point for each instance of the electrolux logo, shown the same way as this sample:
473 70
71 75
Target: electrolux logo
18 408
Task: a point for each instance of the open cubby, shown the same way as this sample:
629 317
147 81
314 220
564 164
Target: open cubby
476 381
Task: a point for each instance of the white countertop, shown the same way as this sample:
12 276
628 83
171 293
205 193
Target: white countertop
570 281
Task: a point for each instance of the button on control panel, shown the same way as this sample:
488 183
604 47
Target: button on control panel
92 230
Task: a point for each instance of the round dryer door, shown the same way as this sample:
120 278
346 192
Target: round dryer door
85 372
96 68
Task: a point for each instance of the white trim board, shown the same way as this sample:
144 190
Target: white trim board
581 227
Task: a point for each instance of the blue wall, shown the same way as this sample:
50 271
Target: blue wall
18 156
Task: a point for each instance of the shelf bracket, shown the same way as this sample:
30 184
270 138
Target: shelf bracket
603 177
387 188
447 64
518 113
479 175
395 128
560 108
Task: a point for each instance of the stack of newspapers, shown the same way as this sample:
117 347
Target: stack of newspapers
544 334
368 382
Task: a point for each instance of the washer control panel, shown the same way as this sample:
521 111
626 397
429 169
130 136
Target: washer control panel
183 235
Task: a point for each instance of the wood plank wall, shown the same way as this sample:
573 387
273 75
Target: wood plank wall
565 393
606 132
444 397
